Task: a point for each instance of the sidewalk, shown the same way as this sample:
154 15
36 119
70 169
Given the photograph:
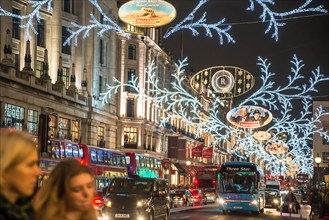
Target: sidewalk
304 213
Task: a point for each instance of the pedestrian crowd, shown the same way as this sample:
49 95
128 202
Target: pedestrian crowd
67 194
319 202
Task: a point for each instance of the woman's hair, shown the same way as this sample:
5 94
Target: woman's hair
15 146
52 200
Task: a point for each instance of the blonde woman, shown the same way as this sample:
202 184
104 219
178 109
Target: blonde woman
18 175
67 194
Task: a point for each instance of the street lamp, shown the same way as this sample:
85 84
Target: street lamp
318 160
188 164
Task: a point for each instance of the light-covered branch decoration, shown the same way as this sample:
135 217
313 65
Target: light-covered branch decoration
181 103
274 19
188 23
36 5
107 25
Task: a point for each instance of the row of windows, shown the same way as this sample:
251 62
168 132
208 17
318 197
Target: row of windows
107 158
15 117
58 150
64 128
150 162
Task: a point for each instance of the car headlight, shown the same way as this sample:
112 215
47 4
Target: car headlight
141 203
276 201
221 201
107 203
254 202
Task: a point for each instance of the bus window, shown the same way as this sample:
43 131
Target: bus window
142 161
152 162
54 149
68 150
100 156
158 163
75 151
110 159
62 151
93 156
105 157
138 162
122 161
114 160
128 160
81 153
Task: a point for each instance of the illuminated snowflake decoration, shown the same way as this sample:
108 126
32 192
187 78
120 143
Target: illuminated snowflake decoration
27 20
191 25
180 102
274 19
106 25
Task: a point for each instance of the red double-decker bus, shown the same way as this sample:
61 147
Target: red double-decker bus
302 179
143 165
207 177
105 163
56 150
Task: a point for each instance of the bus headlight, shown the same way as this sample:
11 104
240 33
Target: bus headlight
254 202
276 201
221 201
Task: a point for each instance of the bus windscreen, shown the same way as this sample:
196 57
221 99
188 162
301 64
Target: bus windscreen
238 182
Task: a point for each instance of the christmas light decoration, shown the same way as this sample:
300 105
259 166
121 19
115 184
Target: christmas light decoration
36 5
294 131
188 23
274 19
108 24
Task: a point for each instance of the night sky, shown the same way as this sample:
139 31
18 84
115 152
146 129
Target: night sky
307 36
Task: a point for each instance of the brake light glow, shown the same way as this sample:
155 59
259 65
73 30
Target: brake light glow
98 201
83 161
213 181
196 182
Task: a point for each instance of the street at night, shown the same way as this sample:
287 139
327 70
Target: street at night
211 212
164 109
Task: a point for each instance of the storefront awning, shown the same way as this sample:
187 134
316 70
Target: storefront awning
180 168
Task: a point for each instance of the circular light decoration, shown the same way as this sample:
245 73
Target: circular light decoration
249 116
262 135
222 81
147 14
277 148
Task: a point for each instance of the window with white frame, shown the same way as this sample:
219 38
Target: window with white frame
132 52
38 68
14 116
41 38
32 122
68 6
15 24
100 136
63 128
66 76
75 130
65 35
130 135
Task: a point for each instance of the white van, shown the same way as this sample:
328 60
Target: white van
273 185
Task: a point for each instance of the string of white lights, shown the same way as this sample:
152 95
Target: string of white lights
274 17
187 23
180 103
36 5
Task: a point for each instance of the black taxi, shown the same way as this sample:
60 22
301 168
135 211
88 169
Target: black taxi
137 198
